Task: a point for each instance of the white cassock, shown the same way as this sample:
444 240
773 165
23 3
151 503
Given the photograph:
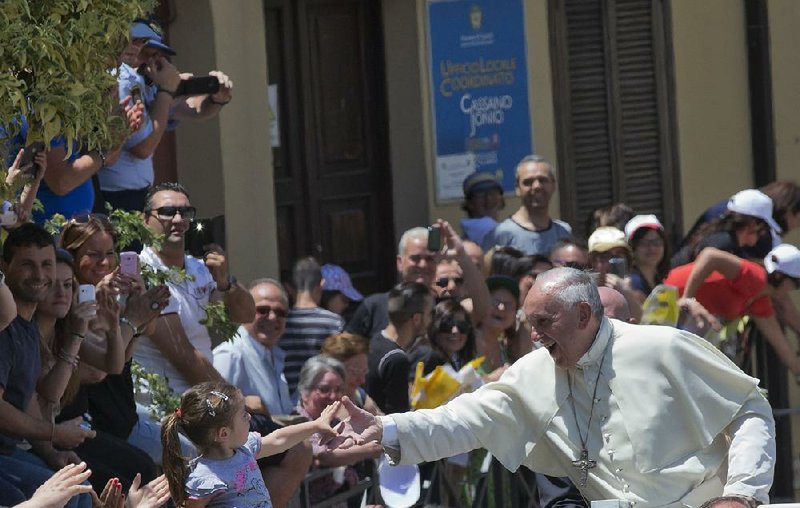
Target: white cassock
674 421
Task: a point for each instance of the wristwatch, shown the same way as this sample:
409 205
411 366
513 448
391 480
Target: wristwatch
231 283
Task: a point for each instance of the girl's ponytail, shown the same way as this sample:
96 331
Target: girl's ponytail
173 462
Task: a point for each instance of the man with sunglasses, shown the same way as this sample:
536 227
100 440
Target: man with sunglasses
254 363
180 347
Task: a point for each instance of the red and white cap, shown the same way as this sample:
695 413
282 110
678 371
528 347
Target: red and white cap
642 221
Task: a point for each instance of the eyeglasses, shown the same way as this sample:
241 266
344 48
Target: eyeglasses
210 407
443 282
265 310
654 242
327 390
168 212
418 258
446 326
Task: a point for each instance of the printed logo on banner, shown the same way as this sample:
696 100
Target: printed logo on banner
479 88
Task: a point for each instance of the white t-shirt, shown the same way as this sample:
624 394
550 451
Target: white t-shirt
188 299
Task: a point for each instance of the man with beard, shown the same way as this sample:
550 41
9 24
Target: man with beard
531 229
180 347
29 262
668 424
253 362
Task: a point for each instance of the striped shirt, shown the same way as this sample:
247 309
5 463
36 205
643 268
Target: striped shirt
306 330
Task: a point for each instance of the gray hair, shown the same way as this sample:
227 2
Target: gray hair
408 235
273 282
570 287
538 159
314 368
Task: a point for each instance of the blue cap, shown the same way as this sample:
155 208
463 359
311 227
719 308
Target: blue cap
336 279
149 29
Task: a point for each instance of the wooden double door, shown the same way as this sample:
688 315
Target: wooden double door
330 149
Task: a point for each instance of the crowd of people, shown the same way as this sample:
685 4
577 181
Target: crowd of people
566 381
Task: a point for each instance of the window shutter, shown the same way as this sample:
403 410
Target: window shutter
615 134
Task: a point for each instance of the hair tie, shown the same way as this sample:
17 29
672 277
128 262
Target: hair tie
178 413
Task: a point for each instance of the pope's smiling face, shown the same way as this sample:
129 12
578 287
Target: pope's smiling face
563 329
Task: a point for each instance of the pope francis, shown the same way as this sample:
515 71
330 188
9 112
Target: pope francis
647 414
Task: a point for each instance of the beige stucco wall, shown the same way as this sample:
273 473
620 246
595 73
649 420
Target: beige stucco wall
238 140
540 95
784 26
711 96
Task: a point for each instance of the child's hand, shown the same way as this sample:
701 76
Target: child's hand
324 420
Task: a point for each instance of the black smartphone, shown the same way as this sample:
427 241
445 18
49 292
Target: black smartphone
136 94
28 167
618 266
202 85
200 233
142 71
434 239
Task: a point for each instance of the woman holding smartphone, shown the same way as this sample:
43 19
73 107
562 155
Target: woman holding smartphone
90 239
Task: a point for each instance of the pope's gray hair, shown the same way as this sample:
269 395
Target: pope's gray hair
571 287
408 235
314 368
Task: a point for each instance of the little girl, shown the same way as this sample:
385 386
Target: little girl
213 416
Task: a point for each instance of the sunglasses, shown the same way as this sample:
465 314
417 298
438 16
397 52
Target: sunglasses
443 282
446 326
279 312
168 212
86 218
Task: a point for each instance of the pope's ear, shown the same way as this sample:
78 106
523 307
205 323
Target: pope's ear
584 314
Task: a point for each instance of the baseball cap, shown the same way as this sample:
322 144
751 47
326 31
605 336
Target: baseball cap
754 203
149 29
334 278
399 485
606 238
642 221
159 44
480 181
785 259
501 281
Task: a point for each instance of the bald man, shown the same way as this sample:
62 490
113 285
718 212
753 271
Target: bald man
614 304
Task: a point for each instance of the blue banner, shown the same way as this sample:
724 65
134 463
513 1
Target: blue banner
479 88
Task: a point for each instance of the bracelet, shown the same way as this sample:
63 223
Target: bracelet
170 93
125 321
102 156
69 360
212 101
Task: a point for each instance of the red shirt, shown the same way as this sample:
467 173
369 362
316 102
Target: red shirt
729 298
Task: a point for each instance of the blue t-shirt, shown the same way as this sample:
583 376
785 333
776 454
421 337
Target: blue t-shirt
236 481
19 369
79 200
528 241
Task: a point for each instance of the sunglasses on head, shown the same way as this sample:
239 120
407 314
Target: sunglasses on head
168 212
443 282
446 326
85 218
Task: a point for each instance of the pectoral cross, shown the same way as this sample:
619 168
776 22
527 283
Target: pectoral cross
584 464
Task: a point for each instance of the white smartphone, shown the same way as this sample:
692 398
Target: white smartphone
129 263
86 293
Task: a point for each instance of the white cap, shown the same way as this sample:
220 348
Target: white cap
400 485
642 221
785 259
754 203
606 238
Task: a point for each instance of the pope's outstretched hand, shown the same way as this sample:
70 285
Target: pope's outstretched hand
358 428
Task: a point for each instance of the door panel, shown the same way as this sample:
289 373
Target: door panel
332 180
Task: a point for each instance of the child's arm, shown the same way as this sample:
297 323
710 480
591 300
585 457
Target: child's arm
283 439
